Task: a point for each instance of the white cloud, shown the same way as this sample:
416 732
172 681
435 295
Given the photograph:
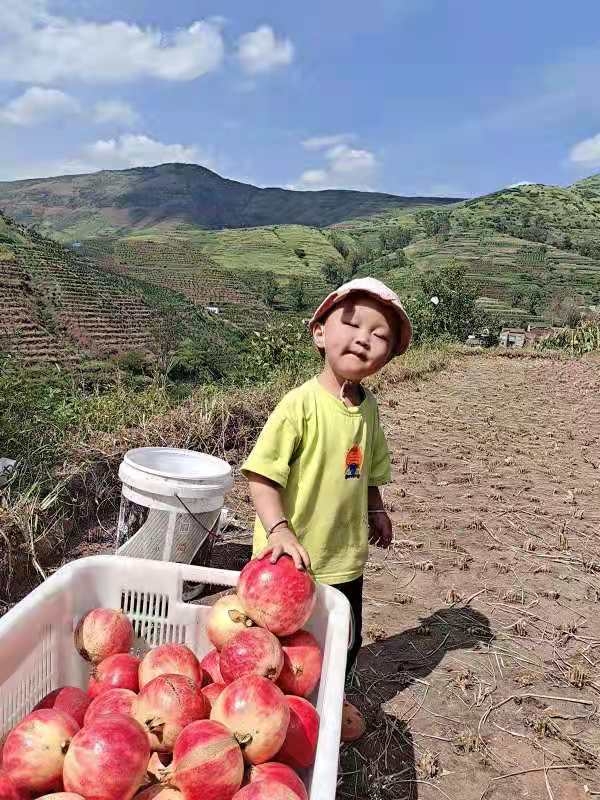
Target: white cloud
123 152
40 47
137 150
38 105
519 183
322 142
587 152
345 168
261 51
115 111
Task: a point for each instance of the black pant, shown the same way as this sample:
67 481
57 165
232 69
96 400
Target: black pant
353 591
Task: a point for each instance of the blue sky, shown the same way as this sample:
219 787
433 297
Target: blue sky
450 97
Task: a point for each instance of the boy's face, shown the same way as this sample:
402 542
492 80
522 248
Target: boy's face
357 337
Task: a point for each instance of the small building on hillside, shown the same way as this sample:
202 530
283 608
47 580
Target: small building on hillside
513 337
536 334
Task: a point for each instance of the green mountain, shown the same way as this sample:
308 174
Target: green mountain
73 207
57 307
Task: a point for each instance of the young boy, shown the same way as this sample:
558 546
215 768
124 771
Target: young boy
316 468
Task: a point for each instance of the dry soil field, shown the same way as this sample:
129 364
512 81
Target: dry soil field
480 670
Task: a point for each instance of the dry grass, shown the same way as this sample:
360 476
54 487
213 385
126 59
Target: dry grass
41 529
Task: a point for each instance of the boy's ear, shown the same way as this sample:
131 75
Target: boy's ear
318 334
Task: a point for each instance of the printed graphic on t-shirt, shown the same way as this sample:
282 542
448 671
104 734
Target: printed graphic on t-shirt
354 459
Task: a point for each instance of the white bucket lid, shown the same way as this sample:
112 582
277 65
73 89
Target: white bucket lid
172 471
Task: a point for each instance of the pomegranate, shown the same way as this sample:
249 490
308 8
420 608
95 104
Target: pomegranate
115 672
113 701
256 713
277 596
207 762
170 659
107 759
300 745
265 790
225 619
159 793
353 723
70 699
212 691
101 633
62 796
9 790
253 651
166 705
211 666
280 773
159 767
34 751
302 662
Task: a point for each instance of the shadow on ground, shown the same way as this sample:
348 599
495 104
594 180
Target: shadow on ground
382 765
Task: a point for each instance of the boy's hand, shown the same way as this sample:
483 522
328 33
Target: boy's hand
380 530
282 542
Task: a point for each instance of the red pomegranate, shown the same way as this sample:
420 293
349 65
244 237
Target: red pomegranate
9 790
253 651
207 762
300 745
115 672
212 691
102 632
34 751
302 663
225 619
211 666
277 596
113 701
353 723
280 773
159 768
62 796
107 760
166 705
170 659
265 790
256 713
160 793
70 699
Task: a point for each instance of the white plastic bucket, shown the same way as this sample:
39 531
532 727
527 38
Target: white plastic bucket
181 494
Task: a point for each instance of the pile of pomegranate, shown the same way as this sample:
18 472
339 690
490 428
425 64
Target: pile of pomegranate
234 725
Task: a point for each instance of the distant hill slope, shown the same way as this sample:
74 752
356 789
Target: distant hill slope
75 207
56 307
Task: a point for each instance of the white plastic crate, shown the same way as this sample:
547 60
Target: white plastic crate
38 655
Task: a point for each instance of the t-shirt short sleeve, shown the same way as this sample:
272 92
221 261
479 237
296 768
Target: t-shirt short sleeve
274 449
381 470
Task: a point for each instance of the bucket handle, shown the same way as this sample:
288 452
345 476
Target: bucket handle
212 531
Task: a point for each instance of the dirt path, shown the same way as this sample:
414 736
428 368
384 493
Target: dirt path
496 498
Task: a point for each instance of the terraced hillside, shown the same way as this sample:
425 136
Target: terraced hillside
240 271
118 202
56 307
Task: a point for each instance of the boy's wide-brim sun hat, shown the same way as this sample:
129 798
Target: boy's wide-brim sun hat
379 291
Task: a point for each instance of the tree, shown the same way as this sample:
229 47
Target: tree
456 313
534 300
334 273
433 222
340 245
297 294
269 288
516 298
395 237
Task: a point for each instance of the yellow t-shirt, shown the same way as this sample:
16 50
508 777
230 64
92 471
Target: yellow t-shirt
324 455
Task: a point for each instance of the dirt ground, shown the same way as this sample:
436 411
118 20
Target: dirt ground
479 673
